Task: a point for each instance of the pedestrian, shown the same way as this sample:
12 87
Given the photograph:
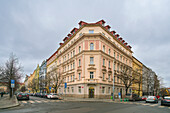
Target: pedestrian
1 94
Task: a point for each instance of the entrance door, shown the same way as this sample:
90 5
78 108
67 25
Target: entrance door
121 92
91 92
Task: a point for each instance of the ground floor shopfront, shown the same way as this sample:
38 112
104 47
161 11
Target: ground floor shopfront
103 91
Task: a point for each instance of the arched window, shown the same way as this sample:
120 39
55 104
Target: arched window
91 46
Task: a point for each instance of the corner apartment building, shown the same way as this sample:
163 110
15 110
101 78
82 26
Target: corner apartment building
88 59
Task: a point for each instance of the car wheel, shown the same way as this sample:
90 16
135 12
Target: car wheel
145 101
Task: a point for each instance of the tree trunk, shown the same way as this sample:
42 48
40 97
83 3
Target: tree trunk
126 90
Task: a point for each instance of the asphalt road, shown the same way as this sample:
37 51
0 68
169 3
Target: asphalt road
41 105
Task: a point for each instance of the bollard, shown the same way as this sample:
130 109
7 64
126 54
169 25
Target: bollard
111 97
120 100
124 99
127 99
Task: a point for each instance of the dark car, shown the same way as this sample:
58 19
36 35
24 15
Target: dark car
166 101
133 97
22 96
44 95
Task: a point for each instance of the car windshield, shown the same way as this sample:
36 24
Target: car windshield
151 97
54 94
167 98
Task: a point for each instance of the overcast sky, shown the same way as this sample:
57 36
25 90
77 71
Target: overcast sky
33 29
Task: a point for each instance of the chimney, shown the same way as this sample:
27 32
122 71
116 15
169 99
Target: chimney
66 38
73 30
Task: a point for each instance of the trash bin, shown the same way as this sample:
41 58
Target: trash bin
111 97
120 100
127 99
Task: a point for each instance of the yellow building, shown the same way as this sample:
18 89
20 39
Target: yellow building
137 84
51 72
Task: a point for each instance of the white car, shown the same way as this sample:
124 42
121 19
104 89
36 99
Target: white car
152 99
52 95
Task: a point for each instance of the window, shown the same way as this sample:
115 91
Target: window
68 67
91 60
103 76
68 79
91 75
109 64
109 89
121 58
103 48
72 89
109 77
71 77
103 90
68 56
91 46
65 90
109 51
73 52
129 90
79 76
117 79
79 62
114 54
118 56
65 58
79 49
103 62
79 89
91 31
73 65
117 67
114 78
68 89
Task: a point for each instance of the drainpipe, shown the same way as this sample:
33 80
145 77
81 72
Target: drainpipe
113 80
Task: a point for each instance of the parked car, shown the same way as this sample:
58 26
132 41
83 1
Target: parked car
166 101
133 97
53 95
152 99
144 98
44 95
21 96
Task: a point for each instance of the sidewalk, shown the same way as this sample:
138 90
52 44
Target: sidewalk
6 102
89 99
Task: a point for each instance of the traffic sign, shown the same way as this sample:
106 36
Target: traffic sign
50 88
12 85
65 85
12 81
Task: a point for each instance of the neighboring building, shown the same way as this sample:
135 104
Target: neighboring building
88 60
148 81
26 83
3 87
42 76
51 72
36 78
137 84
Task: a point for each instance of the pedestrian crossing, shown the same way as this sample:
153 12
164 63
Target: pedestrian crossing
38 101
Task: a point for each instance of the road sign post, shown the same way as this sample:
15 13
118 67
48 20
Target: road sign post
12 85
65 86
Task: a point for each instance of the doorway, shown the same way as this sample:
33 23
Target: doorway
91 92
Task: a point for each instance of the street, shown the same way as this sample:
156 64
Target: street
42 105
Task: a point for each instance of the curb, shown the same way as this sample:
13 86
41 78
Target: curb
10 106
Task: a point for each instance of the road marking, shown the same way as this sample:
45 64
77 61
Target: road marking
145 104
38 101
31 101
161 106
24 102
154 105
44 100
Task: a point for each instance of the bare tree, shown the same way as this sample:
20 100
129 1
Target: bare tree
57 78
126 76
11 71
